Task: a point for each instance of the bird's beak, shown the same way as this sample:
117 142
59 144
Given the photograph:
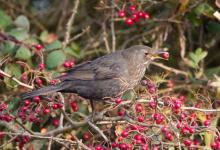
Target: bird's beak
159 54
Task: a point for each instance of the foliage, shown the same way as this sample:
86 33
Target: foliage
176 106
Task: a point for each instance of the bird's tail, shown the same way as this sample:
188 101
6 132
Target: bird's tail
44 90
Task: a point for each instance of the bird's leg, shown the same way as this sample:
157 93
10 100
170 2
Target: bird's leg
93 108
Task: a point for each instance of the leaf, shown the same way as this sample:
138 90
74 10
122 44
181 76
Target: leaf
73 50
22 22
7 47
20 34
13 105
23 53
55 59
54 45
196 57
204 9
5 20
14 70
211 71
213 27
195 20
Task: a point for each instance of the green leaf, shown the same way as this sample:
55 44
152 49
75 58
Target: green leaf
204 9
196 57
22 22
196 21
23 53
14 70
20 34
5 20
7 47
73 50
13 105
55 59
44 36
54 45
214 27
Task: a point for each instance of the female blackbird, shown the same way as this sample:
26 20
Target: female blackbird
105 77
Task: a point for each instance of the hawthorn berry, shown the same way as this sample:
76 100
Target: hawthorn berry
98 147
132 8
140 118
38 47
152 104
145 15
86 136
165 55
129 21
206 123
56 122
123 146
187 142
121 13
114 145
41 66
27 102
125 134
139 108
46 111
118 100
36 99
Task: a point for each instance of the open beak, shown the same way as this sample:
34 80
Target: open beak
159 54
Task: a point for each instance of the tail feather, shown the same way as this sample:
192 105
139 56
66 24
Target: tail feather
44 91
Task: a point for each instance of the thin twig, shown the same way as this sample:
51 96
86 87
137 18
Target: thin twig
50 143
199 109
113 27
16 80
98 130
63 109
69 24
176 71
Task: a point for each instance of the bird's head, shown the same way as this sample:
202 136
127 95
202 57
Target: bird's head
144 54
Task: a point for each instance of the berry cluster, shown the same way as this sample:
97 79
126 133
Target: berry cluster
69 64
132 15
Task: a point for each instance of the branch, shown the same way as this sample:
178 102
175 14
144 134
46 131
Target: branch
176 71
199 109
69 24
16 80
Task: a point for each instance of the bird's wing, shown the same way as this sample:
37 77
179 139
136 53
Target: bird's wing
100 69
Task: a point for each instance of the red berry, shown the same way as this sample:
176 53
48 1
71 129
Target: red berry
132 8
66 65
138 108
146 15
98 147
41 66
191 130
121 13
86 136
184 130
3 106
137 136
114 145
46 111
165 129
123 146
152 104
206 123
121 113
55 122
36 99
140 118
74 106
144 147
39 82
125 134
129 21
215 145
165 55
152 90
38 47
187 142
135 18
27 102
118 100
169 136
140 14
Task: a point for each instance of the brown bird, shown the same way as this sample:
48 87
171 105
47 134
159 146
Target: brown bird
105 77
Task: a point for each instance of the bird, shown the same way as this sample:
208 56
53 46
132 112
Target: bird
105 77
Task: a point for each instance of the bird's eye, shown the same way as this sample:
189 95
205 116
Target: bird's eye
146 53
